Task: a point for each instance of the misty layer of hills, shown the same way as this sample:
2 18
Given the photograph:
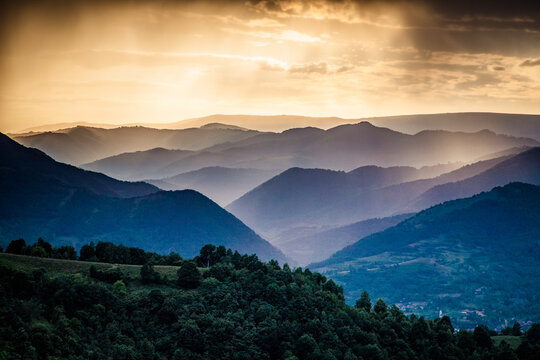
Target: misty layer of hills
519 125
311 197
347 147
81 144
344 147
171 158
223 185
339 196
67 205
471 258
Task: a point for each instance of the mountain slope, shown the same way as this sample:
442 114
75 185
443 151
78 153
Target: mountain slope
17 160
220 184
79 207
314 197
321 245
137 165
81 145
455 257
524 167
297 196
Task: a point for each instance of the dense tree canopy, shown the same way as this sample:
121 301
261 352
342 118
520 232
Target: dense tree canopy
235 307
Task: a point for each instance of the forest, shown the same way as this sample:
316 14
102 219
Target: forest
221 304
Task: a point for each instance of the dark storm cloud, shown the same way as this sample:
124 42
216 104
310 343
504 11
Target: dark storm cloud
501 14
503 27
492 14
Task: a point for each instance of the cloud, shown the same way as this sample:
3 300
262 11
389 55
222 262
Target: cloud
318 68
480 80
105 58
277 35
344 68
456 14
530 62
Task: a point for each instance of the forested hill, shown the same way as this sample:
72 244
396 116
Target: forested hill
475 259
231 306
68 206
18 162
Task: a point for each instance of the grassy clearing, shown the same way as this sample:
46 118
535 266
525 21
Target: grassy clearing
513 341
29 263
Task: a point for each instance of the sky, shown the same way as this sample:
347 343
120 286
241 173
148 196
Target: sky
163 61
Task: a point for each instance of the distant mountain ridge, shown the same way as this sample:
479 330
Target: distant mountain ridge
520 125
299 197
347 147
67 205
137 165
524 167
81 144
314 197
344 147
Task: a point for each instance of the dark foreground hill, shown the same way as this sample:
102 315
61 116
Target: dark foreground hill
475 259
66 205
235 308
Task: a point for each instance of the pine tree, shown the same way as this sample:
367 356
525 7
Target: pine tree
364 302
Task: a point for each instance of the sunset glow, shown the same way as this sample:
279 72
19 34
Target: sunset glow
164 61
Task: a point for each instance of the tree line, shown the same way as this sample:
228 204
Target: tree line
222 304
105 252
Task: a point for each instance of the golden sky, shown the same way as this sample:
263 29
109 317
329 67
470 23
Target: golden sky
164 61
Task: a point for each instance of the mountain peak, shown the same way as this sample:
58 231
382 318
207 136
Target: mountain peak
221 126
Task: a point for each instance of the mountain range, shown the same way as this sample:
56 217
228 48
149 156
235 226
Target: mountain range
468 258
81 144
523 167
312 197
520 125
427 211
67 205
137 165
345 147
